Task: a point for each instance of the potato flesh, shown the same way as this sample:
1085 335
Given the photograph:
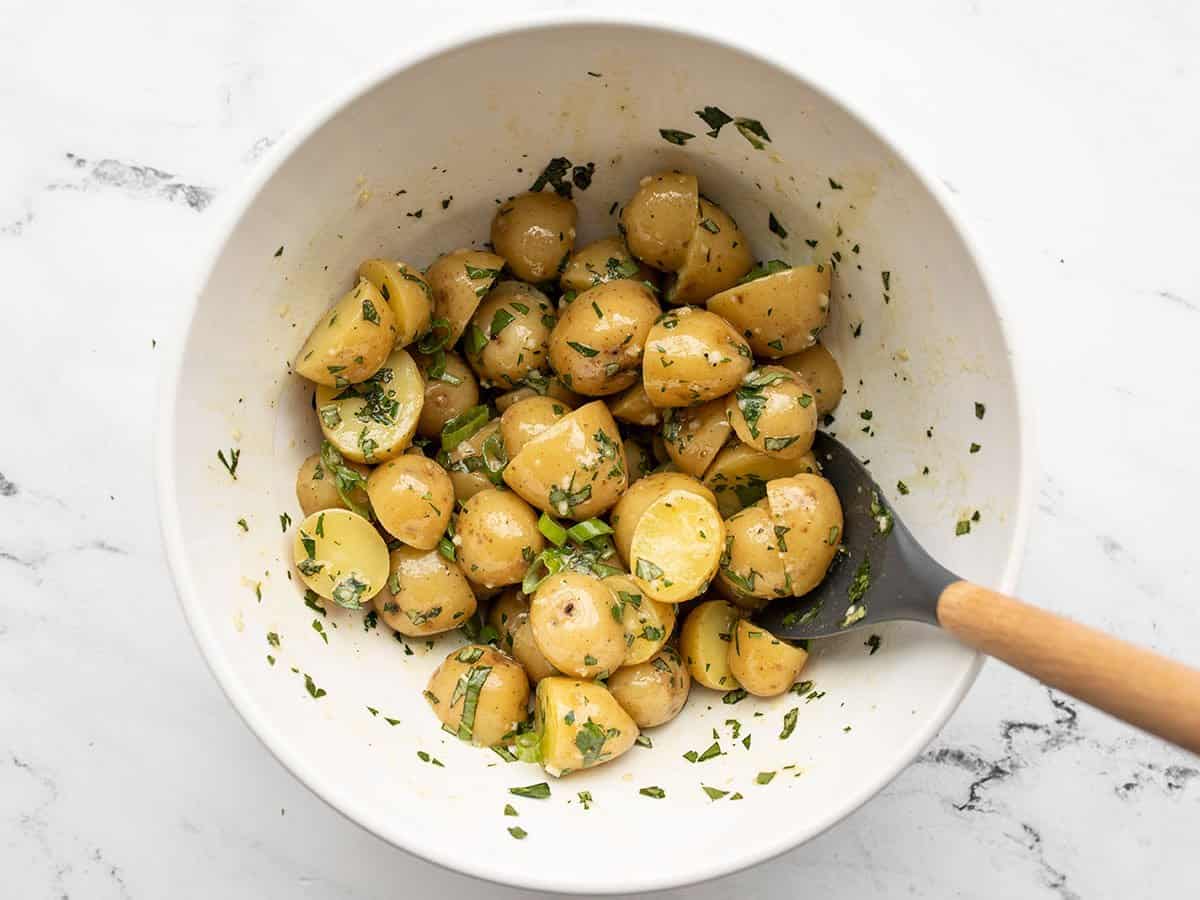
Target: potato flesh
778 314
647 623
374 421
704 644
581 725
762 664
456 295
677 546
635 501
406 292
807 508
351 340
341 557
425 593
693 436
738 476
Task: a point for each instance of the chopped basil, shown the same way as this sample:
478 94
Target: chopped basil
715 118
463 426
539 791
776 226
656 792
647 570
713 793
553 532
473 681
752 130
674 136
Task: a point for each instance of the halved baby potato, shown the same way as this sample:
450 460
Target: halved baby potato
480 694
509 334
406 292
577 624
638 461
704 644
535 233
450 389
808 514
817 367
774 411
509 615
526 419
659 220
781 313
692 356
497 537
538 384
677 546
316 488
634 502
634 407
738 476
752 569
718 255
763 664
596 347
604 260
460 280
374 421
341 557
413 499
694 435
653 691
474 462
425 593
575 468
648 624
581 725
351 341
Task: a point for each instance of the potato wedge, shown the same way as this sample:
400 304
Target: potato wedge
635 501
581 725
316 488
497 536
413 499
654 691
822 373
480 694
577 624
406 292
351 340
738 476
634 407
718 255
596 346
763 664
752 568
648 624
459 281
808 513
659 220
604 260
704 644
526 419
450 389
509 615
535 233
779 314
694 435
774 411
692 356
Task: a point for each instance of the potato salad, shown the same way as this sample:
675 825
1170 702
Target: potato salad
594 460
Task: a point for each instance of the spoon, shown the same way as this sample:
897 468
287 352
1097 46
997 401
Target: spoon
884 574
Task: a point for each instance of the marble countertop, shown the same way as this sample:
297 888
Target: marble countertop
1068 133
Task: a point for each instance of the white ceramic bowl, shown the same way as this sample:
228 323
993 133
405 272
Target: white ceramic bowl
477 120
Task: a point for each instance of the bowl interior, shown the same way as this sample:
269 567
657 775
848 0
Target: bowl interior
415 166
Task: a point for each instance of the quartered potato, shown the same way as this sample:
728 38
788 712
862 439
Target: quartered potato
341 557
604 260
634 502
509 615
406 292
694 435
596 347
477 462
581 725
820 371
677 546
764 665
351 341
316 487
575 468
659 220
808 514
718 255
460 280
738 476
526 419
774 411
692 356
634 407
653 691
780 313
752 569
374 420
497 538
647 623
538 384
413 499
509 334
704 644
480 694
577 624
425 593
535 233
450 389
638 461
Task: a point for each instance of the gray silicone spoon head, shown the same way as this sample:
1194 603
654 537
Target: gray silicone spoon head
881 572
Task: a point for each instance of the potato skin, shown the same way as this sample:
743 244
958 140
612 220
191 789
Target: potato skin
526 419
638 461
577 624
509 615
535 233
369 440
581 724
659 220
604 260
778 314
692 356
575 468
633 407
315 488
425 593
764 665
456 295
653 692
503 696
351 341
694 435
413 499
596 346
647 622
808 510
716 260
548 386
752 569
497 538
775 412
738 476
454 392
635 501
704 644
817 367
340 556
514 320
406 292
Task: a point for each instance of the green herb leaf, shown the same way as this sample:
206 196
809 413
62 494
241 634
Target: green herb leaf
539 791
231 463
752 130
518 832
463 426
553 532
714 793
647 570
583 349
764 777
789 723
776 226
715 118
674 136
656 792
501 320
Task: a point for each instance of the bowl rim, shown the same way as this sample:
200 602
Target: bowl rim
229 210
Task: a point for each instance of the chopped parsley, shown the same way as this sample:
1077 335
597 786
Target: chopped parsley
789 723
231 463
752 130
674 136
656 792
776 226
539 791
715 118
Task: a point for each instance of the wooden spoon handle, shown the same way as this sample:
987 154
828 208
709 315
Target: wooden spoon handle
1147 690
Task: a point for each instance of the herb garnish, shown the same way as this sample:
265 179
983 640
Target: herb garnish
715 118
539 791
776 226
675 136
230 464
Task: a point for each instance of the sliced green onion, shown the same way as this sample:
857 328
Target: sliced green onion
436 337
463 426
554 533
583 532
